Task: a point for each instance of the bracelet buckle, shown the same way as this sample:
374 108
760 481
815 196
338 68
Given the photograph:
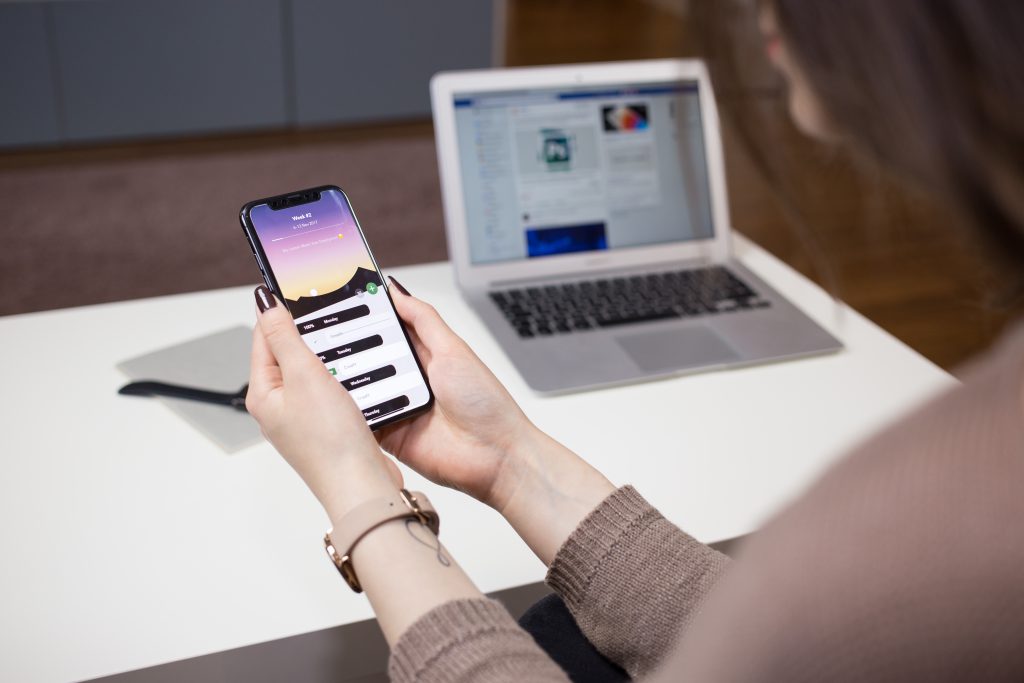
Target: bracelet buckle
414 505
343 564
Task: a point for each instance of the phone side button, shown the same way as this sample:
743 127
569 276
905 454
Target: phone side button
263 271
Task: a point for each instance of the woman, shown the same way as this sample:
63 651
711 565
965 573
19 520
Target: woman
905 562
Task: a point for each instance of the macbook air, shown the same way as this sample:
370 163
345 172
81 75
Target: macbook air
588 226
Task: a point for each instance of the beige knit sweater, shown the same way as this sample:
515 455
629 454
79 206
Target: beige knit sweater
905 562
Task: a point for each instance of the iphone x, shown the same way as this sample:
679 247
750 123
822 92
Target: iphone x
314 257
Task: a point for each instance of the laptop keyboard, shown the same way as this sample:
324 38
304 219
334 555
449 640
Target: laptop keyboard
594 304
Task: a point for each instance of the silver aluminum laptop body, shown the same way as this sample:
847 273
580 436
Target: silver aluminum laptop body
560 175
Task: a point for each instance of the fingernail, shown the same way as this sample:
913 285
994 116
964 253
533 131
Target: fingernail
264 298
398 286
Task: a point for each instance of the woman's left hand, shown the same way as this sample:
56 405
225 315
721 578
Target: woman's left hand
310 419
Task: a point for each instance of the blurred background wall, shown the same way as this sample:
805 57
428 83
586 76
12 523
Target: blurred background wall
131 131
109 70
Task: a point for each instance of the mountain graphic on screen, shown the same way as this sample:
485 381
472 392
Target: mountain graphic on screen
305 305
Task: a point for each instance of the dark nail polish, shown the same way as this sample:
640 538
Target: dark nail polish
264 298
398 286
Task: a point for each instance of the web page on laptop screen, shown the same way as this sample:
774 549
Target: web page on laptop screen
558 171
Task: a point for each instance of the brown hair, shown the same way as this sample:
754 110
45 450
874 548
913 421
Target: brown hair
932 90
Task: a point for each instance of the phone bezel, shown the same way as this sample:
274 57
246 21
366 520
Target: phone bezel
263 263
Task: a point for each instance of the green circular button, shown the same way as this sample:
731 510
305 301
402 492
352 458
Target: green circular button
371 288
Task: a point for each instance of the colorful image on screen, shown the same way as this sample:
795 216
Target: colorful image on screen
565 239
315 251
625 117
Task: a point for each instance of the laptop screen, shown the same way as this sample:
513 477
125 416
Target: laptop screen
576 169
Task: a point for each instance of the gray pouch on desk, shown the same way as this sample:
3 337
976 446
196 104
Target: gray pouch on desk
219 362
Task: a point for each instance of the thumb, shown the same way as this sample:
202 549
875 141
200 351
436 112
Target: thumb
282 337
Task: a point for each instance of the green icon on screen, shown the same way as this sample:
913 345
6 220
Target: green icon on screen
372 288
333 371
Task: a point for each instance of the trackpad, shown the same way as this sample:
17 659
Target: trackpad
677 349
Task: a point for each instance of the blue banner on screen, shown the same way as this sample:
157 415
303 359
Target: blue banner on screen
565 239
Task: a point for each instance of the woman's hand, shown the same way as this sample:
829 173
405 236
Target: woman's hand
478 440
471 437
309 418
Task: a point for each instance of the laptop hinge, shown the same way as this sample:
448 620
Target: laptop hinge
602 272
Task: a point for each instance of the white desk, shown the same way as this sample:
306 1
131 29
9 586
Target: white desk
129 540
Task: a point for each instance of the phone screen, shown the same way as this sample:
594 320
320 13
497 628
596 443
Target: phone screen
319 259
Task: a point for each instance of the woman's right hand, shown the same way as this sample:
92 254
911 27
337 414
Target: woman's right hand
468 440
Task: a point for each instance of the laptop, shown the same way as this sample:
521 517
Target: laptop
586 217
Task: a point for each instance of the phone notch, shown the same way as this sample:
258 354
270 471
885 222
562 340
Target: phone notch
294 199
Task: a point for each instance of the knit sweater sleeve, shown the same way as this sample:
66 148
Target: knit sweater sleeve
470 640
633 580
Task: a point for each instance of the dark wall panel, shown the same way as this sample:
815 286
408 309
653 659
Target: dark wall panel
157 67
28 109
373 60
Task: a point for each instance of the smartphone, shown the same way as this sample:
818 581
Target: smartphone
314 257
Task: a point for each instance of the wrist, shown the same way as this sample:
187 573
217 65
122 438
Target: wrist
352 487
519 461
545 490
